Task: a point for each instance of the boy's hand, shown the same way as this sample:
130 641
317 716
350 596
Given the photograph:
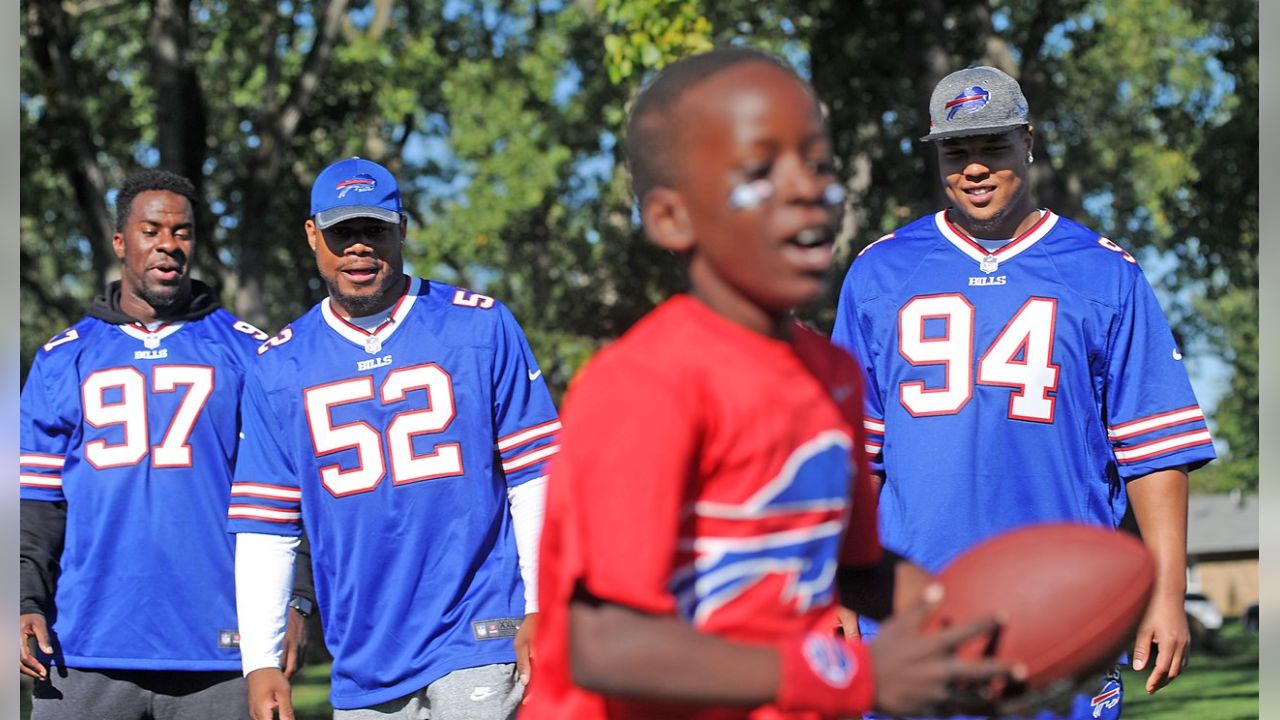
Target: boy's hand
269 692
919 674
847 624
32 626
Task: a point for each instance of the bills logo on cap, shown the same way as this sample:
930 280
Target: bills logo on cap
971 100
359 183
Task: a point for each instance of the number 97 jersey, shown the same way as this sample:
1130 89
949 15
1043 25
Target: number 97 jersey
136 431
1010 387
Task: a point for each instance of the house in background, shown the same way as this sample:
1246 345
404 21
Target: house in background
1222 550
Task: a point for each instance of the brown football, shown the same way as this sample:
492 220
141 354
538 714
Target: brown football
1071 597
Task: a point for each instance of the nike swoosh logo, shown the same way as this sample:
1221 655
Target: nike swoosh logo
481 693
534 375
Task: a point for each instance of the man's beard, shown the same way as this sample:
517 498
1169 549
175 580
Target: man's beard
361 305
165 298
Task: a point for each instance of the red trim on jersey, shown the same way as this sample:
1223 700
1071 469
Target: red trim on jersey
262 490
521 437
42 460
1164 446
1003 249
529 458
40 481
257 512
1152 423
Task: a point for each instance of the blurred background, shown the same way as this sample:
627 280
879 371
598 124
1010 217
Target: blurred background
503 120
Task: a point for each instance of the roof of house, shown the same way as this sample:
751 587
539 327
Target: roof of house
1222 523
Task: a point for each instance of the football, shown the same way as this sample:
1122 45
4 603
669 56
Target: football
1070 596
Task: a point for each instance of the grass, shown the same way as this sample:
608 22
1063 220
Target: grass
1220 684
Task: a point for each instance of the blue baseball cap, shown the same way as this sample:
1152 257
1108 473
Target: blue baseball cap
354 188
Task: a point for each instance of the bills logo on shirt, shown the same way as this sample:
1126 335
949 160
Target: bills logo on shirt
791 527
829 659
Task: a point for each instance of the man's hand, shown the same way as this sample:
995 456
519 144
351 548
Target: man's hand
1165 625
269 692
295 643
847 624
919 675
33 626
524 647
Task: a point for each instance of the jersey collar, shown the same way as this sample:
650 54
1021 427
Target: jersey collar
1010 250
150 338
376 339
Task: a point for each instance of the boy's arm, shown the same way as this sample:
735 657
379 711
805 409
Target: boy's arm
1159 501
661 659
878 591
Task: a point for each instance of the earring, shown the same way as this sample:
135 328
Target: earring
1030 158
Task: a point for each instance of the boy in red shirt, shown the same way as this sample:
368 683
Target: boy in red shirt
711 497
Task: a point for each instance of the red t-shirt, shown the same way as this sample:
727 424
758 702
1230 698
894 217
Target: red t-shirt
706 472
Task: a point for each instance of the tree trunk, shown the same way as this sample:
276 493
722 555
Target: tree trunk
51 44
275 128
182 117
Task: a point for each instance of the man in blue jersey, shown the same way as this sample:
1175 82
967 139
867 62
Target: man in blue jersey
128 432
1020 370
408 425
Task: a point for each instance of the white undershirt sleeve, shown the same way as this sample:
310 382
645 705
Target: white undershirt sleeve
528 505
264 582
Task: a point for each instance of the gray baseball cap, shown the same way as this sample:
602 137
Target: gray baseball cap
975 101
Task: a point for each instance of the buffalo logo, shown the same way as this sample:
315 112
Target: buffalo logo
1107 699
829 659
970 100
790 527
359 183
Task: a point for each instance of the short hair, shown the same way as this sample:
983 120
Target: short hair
649 140
146 181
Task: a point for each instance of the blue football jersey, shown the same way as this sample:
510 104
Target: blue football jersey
396 449
137 430
1012 387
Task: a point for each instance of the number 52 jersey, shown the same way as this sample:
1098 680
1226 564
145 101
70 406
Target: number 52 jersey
1012 387
397 448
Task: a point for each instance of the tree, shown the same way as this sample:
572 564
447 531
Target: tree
504 119
1132 101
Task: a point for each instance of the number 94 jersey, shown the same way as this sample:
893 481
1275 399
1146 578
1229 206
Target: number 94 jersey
1010 387
396 448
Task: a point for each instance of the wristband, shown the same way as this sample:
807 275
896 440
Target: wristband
824 673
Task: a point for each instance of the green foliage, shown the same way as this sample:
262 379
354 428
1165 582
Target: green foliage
1218 684
503 120
647 34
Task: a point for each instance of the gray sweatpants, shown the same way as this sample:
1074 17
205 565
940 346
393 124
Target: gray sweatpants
72 694
488 692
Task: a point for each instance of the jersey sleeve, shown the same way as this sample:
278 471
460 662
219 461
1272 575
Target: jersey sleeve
629 452
861 546
49 412
265 495
1153 419
525 417
847 333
